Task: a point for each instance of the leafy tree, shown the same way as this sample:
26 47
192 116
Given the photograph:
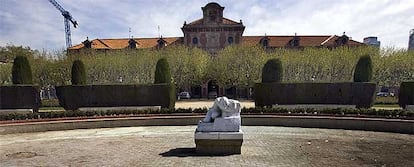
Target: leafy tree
237 65
162 72
363 69
78 73
8 53
272 71
21 71
188 65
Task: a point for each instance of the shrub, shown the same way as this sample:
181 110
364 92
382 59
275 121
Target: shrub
78 73
73 97
163 75
348 93
386 100
21 71
406 95
19 97
162 72
363 69
50 103
400 114
272 71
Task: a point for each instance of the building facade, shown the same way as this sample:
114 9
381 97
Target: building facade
372 41
213 32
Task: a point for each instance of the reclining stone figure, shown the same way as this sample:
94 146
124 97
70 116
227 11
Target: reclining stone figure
224 116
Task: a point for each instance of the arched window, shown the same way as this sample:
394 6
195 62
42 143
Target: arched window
132 44
195 40
161 43
265 43
341 41
230 40
294 42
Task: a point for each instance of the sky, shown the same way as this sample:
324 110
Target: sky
39 25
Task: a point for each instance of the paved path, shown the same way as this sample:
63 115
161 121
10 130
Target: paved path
174 146
244 103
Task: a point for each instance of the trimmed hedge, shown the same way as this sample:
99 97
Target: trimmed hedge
272 71
363 69
73 97
78 73
406 95
401 114
20 97
21 71
360 94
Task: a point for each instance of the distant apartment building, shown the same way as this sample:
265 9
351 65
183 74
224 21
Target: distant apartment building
213 32
372 41
411 40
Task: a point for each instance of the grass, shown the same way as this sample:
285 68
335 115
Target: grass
386 100
387 105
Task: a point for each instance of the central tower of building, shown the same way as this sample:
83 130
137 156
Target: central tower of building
213 32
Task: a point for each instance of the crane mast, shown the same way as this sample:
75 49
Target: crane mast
67 18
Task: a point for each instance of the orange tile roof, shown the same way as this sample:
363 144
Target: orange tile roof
304 41
123 43
274 41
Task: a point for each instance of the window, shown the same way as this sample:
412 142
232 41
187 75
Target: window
212 15
161 43
265 43
132 44
212 18
295 42
344 41
230 40
195 40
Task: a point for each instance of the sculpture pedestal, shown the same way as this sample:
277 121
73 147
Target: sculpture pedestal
218 143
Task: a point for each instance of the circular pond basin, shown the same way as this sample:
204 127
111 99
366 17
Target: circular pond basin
174 146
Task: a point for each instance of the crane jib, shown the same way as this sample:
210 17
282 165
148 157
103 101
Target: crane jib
68 17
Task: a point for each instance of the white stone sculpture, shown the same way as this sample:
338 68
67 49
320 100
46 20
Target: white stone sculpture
224 116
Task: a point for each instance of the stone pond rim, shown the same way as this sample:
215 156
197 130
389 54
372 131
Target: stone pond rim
346 123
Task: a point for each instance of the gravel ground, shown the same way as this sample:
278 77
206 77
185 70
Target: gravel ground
206 104
174 146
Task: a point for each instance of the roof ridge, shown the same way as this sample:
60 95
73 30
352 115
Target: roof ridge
328 39
134 38
230 20
288 36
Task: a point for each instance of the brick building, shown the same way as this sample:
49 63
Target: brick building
213 32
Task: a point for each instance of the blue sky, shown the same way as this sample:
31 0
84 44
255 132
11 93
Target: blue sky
38 24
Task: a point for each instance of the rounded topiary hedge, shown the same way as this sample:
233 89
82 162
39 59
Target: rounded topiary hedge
163 75
272 71
78 73
21 71
363 69
162 72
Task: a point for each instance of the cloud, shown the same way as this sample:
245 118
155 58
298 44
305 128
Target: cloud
39 25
